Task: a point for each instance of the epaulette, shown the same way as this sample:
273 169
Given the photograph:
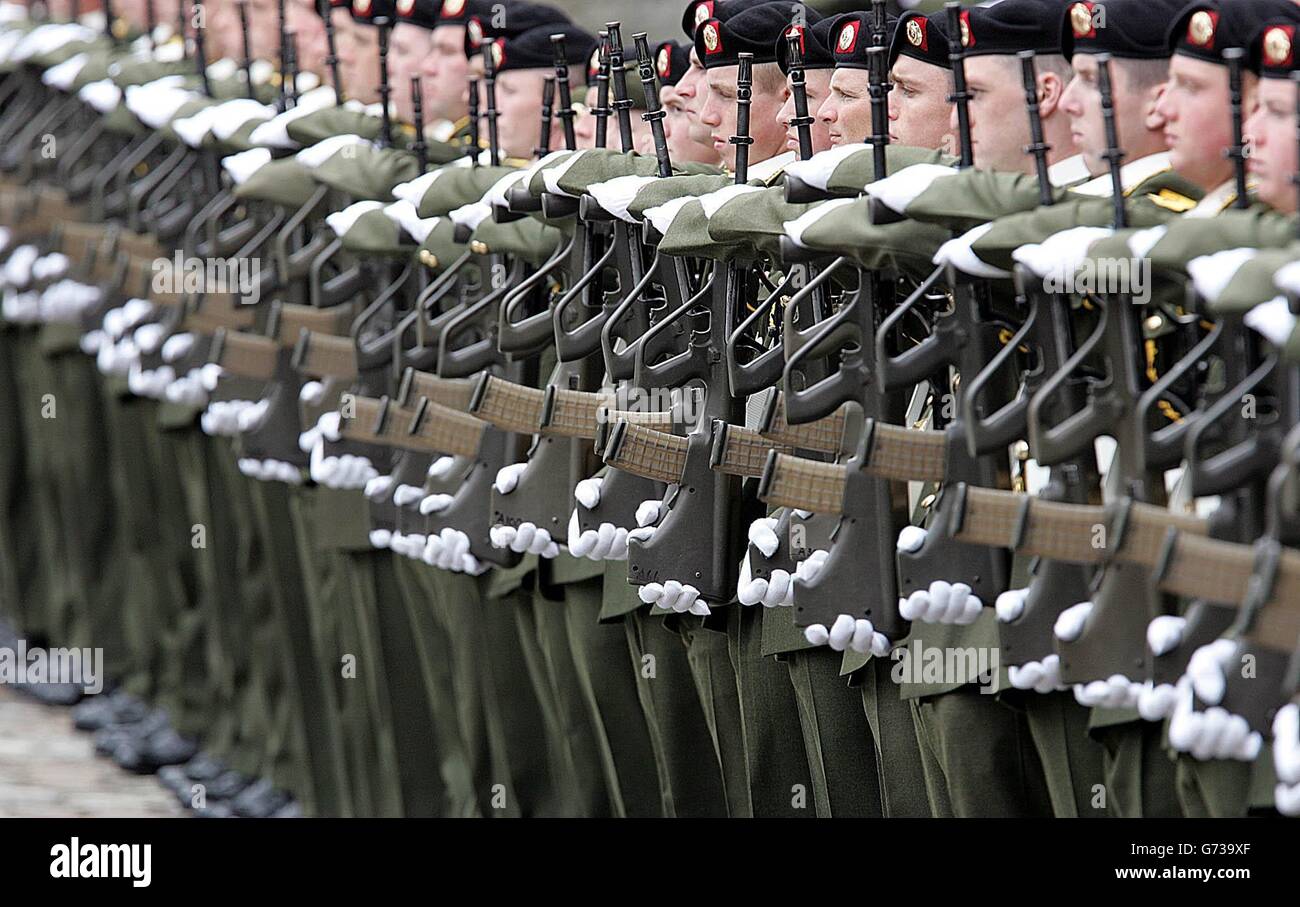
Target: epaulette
1171 200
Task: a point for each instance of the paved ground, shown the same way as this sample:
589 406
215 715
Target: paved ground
49 769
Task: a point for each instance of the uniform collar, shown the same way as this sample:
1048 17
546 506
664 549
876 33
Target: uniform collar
1218 199
1131 175
1065 173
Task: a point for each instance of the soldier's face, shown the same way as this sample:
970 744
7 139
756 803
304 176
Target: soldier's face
691 89
310 31
406 50
264 30
919 109
445 70
997 139
584 128
220 27
358 50
677 130
1271 134
718 115
846 112
817 85
1135 115
132 12
1197 127
519 101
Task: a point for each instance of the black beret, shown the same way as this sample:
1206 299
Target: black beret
1126 29
1272 50
533 50
1204 30
699 10
423 13
456 12
672 60
753 31
367 11
851 37
516 18
1012 26
922 38
814 44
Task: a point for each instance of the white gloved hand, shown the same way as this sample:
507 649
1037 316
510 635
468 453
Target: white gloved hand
270 470
778 589
379 489
344 471
221 418
1208 669
670 595
1116 692
1286 759
311 392
526 538
1212 734
406 495
608 542
177 346
434 503
942 602
441 468
449 550
846 632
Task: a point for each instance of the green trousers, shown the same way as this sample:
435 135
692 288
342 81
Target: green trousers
776 764
685 755
1071 759
837 738
903 790
23 578
1139 775
978 756
608 684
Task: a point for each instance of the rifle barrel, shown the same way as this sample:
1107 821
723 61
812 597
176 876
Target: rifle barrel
744 97
565 110
801 121
1113 155
1037 147
655 113
960 96
1237 152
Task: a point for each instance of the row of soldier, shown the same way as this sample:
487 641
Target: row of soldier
897 421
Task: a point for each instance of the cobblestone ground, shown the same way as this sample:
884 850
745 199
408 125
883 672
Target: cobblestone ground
48 768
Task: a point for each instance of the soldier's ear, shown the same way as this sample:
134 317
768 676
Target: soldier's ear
1050 90
1152 118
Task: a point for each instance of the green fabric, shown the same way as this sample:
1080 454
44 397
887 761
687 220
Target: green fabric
847 230
609 687
375 233
1140 776
777 766
685 759
458 186
855 171
837 738
654 194
528 239
755 220
1253 282
366 172
442 245
978 757
283 182
330 121
903 789
1071 759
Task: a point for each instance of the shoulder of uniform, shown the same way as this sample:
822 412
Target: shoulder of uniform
1171 200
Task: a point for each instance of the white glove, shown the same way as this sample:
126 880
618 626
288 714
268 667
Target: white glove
449 550
345 471
942 602
1212 734
846 632
959 253
1116 692
440 469
406 495
177 346
608 542
1208 669
434 503
378 489
1286 759
221 418
776 590
670 595
270 470
526 538
311 392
